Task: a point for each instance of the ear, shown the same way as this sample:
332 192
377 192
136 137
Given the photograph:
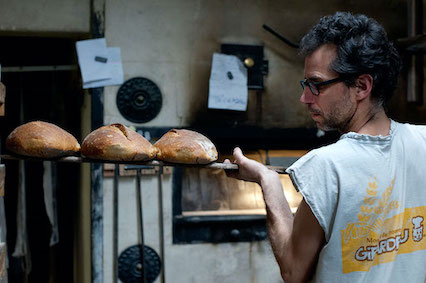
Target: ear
363 85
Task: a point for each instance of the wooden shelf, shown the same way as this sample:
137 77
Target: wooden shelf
413 43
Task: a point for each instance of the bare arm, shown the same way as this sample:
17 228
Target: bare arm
296 241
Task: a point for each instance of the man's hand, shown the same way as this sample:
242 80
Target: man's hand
248 169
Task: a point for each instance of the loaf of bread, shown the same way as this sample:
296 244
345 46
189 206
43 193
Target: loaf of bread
117 142
43 140
185 146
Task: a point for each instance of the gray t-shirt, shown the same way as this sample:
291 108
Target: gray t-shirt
368 193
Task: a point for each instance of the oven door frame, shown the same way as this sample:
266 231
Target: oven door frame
212 229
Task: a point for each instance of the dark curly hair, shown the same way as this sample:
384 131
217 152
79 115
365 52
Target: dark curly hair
362 48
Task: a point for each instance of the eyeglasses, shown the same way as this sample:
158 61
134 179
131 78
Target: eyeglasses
314 86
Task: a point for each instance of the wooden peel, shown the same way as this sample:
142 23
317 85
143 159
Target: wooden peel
77 159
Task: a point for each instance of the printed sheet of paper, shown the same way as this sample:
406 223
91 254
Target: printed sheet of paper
228 83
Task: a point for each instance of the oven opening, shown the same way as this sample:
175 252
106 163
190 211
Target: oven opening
210 207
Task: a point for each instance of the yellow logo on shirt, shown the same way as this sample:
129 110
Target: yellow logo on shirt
377 238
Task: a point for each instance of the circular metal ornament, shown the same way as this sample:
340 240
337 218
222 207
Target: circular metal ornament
139 100
130 269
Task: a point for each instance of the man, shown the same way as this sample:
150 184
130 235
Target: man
364 197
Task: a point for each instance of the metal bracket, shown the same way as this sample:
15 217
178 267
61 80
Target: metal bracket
252 57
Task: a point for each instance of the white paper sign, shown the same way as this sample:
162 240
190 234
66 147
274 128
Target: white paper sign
93 58
228 83
115 69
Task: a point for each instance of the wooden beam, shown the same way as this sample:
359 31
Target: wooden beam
2 179
415 68
2 98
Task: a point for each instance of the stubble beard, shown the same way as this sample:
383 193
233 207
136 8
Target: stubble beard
339 118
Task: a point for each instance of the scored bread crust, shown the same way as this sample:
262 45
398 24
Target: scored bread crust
43 140
117 142
185 146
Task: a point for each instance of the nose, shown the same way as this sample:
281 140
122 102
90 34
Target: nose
307 96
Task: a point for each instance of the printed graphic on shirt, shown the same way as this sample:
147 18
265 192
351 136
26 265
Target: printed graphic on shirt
418 228
377 238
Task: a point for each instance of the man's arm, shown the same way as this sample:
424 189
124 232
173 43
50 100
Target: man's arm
296 241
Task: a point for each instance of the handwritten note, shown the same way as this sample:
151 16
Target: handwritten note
91 69
115 69
228 83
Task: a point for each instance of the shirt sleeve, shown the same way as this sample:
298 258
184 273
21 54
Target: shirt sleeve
315 178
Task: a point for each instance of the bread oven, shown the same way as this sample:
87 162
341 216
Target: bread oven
210 207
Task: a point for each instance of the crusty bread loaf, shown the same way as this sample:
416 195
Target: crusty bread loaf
43 140
185 146
117 142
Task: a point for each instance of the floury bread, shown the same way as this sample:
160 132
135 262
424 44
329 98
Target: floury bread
43 140
185 146
117 142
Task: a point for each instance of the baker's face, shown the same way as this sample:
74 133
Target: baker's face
335 105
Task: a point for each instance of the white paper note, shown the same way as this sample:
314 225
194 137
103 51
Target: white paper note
92 54
228 83
115 68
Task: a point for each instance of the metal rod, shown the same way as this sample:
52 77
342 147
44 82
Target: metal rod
97 222
160 221
214 165
140 213
22 69
115 224
136 167
97 27
294 45
96 199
